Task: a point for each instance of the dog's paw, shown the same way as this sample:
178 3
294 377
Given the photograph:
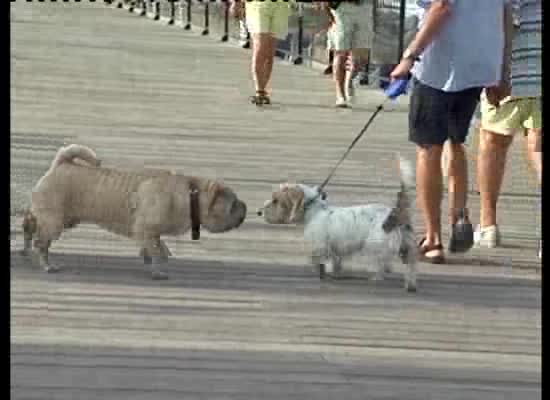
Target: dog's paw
159 275
410 287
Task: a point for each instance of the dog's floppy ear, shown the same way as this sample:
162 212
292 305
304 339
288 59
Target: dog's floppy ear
214 189
296 198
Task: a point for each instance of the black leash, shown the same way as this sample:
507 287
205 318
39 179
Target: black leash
378 109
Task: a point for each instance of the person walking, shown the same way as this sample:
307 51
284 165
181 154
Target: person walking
513 107
349 36
456 52
267 21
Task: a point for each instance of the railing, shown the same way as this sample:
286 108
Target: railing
391 25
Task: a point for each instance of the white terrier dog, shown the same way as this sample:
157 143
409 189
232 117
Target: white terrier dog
380 232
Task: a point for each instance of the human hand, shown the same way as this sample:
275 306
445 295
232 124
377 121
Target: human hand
402 70
495 94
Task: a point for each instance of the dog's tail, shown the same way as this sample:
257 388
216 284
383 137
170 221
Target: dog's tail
68 154
400 215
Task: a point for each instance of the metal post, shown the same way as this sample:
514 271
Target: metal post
225 36
188 24
206 21
172 12
401 48
299 60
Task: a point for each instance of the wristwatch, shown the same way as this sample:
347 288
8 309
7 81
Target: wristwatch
409 55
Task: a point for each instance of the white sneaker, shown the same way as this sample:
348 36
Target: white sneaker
342 103
487 237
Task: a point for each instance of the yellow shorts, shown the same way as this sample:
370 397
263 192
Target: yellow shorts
268 17
514 115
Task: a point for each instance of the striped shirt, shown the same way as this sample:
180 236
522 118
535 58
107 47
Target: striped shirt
526 67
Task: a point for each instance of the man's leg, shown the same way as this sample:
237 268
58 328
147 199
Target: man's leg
491 163
429 189
457 173
428 129
461 111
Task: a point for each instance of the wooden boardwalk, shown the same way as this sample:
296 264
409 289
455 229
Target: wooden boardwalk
242 316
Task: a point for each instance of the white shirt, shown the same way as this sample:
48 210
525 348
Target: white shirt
468 51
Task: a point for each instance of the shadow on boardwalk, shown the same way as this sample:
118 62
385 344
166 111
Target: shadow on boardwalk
242 317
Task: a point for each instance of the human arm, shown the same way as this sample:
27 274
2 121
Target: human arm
496 93
435 18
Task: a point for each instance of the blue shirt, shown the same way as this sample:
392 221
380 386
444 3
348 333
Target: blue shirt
468 50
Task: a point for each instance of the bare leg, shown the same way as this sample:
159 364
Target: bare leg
270 59
457 181
339 72
350 67
429 185
491 162
534 151
262 59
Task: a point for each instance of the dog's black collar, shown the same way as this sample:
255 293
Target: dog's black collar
195 212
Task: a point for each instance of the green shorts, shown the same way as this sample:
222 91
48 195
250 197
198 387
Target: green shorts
352 28
513 115
268 17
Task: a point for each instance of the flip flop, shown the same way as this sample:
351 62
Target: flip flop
423 250
260 98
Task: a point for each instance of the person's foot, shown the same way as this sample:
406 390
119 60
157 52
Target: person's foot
260 98
245 44
540 249
462 233
341 102
488 237
328 70
462 237
431 253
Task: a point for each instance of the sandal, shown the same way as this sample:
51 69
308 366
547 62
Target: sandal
423 250
260 98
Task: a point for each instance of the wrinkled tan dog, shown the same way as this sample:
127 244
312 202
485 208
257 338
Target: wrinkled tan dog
142 206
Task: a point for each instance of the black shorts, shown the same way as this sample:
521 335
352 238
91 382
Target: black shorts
435 115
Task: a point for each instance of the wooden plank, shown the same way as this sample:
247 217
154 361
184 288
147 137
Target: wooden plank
243 316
